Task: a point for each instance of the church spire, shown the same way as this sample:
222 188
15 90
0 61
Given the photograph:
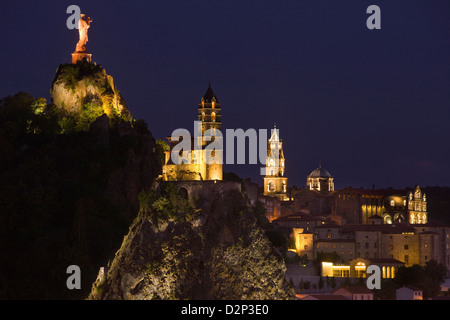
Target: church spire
275 182
209 95
209 110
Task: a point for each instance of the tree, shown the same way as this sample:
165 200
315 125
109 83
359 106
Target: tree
301 285
306 285
428 277
333 282
435 271
260 214
231 176
327 257
320 283
161 148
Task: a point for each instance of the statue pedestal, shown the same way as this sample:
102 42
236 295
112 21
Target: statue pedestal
80 56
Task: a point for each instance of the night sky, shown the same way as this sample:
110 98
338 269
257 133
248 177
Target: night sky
371 105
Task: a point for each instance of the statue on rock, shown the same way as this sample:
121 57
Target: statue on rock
81 52
83 26
85 88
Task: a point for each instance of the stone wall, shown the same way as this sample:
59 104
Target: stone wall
207 188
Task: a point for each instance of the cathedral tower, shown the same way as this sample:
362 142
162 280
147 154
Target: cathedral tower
275 183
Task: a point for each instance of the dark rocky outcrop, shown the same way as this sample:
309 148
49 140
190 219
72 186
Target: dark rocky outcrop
213 250
67 199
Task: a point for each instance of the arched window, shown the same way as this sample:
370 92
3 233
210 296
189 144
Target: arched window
419 218
183 192
203 116
213 117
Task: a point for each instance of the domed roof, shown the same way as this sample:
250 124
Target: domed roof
320 173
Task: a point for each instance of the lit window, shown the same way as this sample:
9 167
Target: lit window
392 203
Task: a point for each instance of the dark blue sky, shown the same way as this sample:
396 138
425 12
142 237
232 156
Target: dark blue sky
371 105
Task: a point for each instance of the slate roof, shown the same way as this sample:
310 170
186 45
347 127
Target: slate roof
209 95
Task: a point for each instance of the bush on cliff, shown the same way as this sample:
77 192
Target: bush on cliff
54 210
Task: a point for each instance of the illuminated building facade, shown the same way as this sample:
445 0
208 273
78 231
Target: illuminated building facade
417 207
210 119
397 244
357 268
352 205
393 206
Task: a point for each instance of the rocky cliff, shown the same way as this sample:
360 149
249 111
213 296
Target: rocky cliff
67 199
210 249
84 83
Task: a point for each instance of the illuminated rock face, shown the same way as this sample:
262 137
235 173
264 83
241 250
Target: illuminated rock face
217 252
76 85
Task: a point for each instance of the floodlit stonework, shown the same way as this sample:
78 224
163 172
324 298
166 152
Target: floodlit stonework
275 181
197 168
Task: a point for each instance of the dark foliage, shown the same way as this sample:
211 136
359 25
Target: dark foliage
428 277
53 209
